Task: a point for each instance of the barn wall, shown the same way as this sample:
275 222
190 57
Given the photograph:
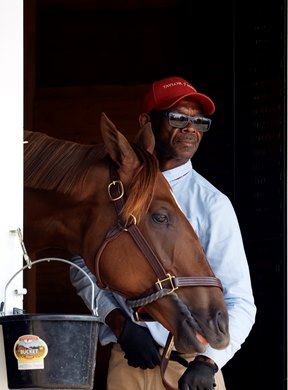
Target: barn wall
11 157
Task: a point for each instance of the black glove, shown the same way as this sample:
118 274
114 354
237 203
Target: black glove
198 376
139 346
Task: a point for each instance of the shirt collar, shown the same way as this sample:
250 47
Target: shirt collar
176 173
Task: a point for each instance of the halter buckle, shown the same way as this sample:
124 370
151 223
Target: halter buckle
121 190
169 278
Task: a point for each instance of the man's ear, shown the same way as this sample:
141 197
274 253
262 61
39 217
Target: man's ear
144 119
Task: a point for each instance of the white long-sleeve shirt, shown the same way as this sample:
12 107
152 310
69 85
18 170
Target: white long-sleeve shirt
212 216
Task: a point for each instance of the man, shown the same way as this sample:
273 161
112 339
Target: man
179 119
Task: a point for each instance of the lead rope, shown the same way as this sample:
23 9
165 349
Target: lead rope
165 360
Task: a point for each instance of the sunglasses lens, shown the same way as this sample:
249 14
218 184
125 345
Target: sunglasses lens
179 120
201 124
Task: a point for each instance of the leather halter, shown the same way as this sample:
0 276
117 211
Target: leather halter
165 283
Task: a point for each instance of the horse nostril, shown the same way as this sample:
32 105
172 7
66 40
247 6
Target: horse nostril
221 320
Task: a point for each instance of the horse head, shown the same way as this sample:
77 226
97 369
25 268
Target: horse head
122 217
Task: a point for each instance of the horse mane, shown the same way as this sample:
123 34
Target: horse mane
60 165
56 164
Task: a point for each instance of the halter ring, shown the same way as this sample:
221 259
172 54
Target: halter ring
134 222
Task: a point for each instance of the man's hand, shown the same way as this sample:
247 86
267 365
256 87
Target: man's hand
139 346
198 376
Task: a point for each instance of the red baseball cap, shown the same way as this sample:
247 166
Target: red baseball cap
164 93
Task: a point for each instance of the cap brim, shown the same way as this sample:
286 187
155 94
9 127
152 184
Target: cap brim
205 102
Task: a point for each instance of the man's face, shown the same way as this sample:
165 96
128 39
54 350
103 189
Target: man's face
175 146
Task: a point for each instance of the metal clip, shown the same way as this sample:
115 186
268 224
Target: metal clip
25 254
136 316
169 349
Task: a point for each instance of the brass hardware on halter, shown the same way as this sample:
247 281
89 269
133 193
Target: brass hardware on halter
134 222
136 316
121 188
140 315
169 349
170 279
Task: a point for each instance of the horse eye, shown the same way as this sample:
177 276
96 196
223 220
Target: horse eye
160 218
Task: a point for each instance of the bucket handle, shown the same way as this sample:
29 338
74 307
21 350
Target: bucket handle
48 259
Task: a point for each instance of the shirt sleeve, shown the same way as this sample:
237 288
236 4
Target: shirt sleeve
104 300
222 242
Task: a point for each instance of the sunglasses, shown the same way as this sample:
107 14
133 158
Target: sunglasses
180 121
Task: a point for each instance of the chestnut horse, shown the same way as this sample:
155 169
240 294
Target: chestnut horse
111 205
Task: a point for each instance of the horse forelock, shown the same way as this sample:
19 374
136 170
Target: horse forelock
54 164
142 186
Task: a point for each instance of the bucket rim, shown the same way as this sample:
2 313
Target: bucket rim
48 317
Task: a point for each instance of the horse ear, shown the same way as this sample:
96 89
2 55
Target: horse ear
145 138
116 144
